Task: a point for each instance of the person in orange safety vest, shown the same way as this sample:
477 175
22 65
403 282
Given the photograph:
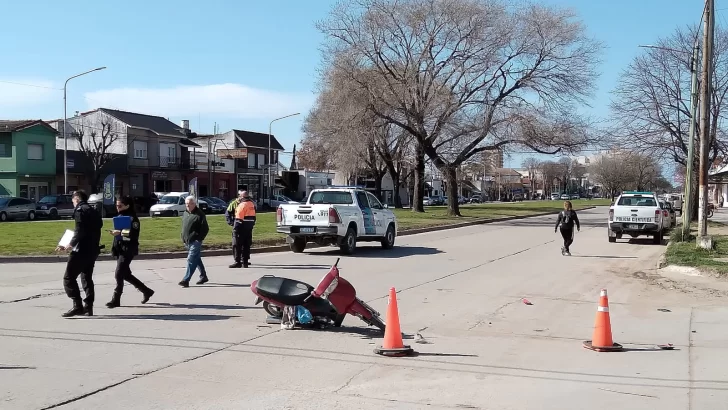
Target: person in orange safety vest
243 231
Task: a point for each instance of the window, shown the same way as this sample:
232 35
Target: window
261 160
140 149
252 161
168 151
35 151
362 198
373 201
4 150
331 198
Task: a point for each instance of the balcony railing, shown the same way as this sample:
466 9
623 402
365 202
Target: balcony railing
174 163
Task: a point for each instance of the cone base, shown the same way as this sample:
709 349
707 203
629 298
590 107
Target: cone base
395 352
616 347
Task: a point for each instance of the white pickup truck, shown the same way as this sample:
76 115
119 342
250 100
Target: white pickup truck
637 214
339 217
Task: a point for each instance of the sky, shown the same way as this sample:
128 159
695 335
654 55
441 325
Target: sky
239 64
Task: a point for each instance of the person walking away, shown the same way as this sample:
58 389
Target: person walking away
124 249
243 231
230 219
194 231
567 218
84 249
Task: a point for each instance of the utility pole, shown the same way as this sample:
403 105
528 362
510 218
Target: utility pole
210 158
688 205
704 241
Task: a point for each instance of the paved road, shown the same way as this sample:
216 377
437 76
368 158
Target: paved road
209 348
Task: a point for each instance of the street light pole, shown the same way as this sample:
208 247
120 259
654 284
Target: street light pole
65 140
270 137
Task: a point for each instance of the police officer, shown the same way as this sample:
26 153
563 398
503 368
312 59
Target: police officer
84 247
125 247
243 230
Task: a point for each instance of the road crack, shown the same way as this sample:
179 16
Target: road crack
351 379
38 296
494 313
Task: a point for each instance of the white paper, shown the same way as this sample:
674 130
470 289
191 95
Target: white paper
66 239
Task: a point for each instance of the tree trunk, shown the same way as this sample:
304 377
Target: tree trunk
419 191
378 183
453 205
394 173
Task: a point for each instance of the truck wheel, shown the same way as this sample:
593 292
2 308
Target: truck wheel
388 241
657 239
298 245
348 242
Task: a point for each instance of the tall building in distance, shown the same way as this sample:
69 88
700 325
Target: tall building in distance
492 160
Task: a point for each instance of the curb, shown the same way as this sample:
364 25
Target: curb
267 249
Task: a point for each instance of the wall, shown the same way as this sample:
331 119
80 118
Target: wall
7 162
37 134
91 122
8 185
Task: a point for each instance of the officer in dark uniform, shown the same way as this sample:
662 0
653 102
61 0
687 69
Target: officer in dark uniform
243 231
84 249
125 247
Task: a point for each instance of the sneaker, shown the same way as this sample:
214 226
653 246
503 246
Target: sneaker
184 284
202 281
75 311
563 251
568 253
147 296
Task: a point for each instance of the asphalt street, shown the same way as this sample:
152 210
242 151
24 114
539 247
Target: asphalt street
208 347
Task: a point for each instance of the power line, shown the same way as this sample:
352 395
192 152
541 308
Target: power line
31 85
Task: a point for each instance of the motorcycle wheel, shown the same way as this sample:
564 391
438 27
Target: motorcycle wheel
272 309
710 213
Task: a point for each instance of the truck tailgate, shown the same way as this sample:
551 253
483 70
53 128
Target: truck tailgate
307 217
636 215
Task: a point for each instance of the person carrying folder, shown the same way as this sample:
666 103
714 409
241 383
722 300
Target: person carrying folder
84 248
124 249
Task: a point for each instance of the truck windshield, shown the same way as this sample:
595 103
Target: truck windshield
331 198
636 201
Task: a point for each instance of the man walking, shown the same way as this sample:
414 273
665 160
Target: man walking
194 231
84 249
567 218
243 231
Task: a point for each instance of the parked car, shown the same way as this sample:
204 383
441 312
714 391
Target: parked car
277 201
55 206
97 201
672 219
173 204
14 208
216 205
637 214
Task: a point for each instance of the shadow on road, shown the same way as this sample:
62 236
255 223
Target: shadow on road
17 368
293 267
193 306
365 332
532 223
170 317
604 257
444 354
379 253
225 285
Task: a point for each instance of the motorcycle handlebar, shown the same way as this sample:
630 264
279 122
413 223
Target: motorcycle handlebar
337 262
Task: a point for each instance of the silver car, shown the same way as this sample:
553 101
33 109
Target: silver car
16 208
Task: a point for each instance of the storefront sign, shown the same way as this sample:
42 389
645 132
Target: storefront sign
159 175
237 153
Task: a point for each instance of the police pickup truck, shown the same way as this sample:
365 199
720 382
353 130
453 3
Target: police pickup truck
339 216
636 214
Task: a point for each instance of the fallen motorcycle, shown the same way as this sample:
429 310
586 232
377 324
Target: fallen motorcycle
329 302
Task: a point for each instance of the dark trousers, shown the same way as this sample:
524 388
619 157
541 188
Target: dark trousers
568 235
83 265
123 273
242 240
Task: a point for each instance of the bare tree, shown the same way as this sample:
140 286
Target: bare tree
532 166
96 146
464 76
621 170
610 172
651 104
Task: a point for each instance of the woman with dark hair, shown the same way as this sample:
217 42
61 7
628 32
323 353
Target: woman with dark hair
125 247
567 218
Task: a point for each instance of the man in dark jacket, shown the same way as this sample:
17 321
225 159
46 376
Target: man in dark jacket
194 231
84 249
124 249
567 218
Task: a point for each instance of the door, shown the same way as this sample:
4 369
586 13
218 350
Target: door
33 193
380 214
367 214
14 208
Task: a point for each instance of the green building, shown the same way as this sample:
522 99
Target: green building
27 159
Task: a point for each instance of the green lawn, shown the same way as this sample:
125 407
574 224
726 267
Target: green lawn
162 234
688 254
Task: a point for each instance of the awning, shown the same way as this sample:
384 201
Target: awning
189 143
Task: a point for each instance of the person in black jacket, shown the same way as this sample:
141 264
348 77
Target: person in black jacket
84 249
567 218
194 231
125 247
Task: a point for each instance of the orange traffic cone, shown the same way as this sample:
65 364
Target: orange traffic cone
392 344
602 337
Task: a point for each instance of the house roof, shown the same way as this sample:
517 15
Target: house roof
19 125
153 123
258 140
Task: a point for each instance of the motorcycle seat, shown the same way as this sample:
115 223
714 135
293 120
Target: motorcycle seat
287 291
